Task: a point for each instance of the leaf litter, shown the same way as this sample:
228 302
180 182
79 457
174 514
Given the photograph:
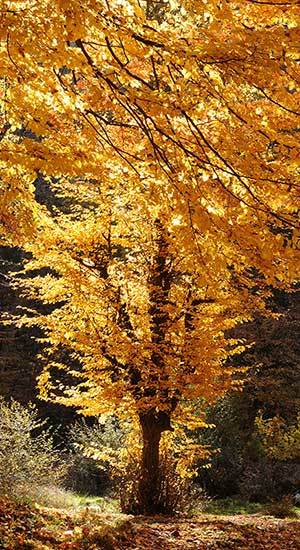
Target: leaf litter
30 527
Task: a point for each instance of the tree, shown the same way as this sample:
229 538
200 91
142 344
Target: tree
131 308
180 138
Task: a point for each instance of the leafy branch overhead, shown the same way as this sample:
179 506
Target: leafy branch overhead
205 103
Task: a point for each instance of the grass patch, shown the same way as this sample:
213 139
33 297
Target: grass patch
230 507
60 498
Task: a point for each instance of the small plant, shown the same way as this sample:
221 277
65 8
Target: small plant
94 449
196 500
282 508
27 455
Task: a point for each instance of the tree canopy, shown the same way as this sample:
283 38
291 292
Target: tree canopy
201 107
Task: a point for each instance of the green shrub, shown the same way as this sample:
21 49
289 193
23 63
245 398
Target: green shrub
90 473
27 455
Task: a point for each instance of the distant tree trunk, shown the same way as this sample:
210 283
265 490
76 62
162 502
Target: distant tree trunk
156 9
152 424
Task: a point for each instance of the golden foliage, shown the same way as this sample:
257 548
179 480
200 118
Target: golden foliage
279 440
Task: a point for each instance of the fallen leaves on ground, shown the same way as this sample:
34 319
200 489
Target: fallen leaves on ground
29 527
208 532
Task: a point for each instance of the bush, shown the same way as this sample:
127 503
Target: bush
27 455
172 492
267 479
282 508
126 487
110 453
85 477
94 449
174 486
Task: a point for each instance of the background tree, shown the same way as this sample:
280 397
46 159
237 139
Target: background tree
270 391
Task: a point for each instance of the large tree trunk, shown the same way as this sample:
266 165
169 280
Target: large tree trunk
152 424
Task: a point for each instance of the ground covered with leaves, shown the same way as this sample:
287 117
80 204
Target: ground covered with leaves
208 532
30 527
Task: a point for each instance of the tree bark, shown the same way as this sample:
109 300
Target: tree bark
153 424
